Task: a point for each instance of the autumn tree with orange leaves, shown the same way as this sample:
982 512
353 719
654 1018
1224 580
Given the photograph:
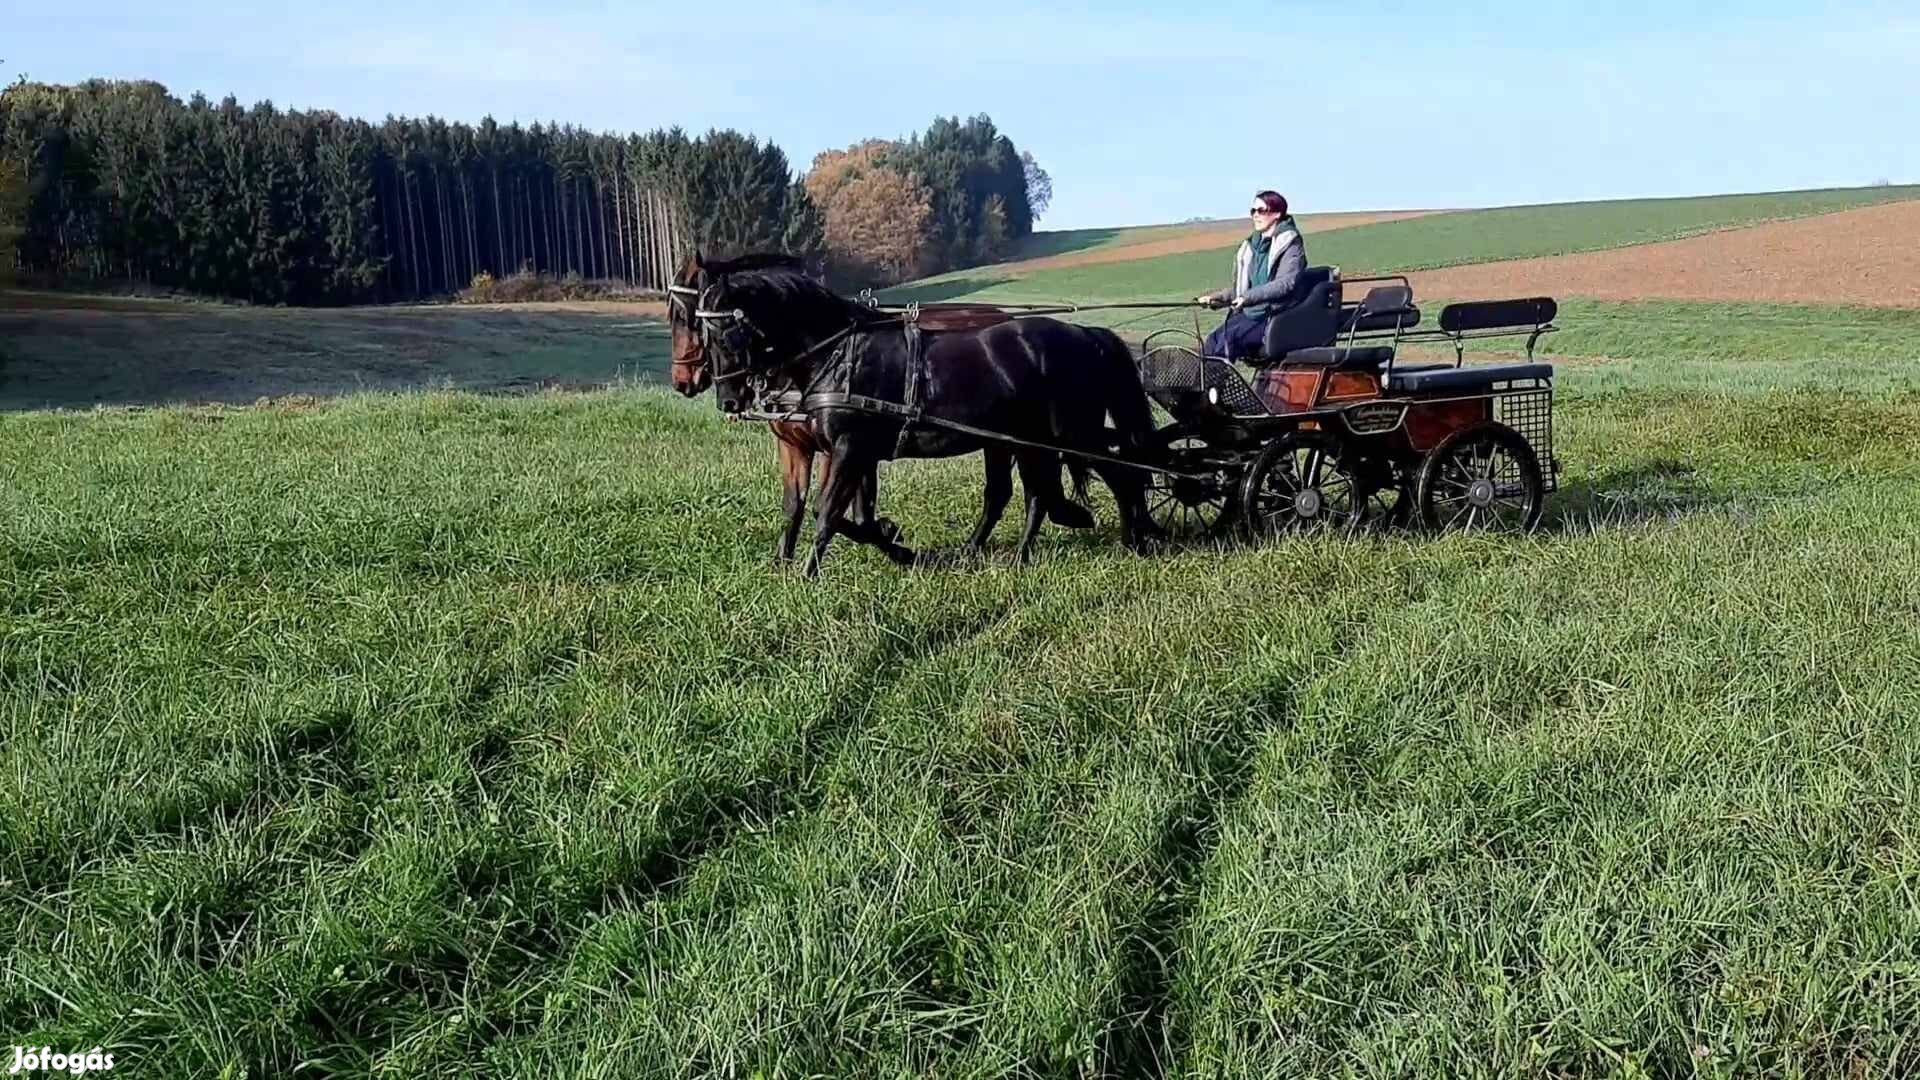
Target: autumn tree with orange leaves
958 194
875 214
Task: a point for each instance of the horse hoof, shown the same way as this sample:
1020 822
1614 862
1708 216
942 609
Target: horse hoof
1071 515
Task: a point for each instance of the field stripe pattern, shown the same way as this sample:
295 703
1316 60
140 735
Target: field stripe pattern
453 733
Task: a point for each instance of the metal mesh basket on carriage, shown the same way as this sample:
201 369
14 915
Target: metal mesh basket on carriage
1185 383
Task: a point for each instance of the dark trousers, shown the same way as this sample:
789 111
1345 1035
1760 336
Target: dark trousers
1241 336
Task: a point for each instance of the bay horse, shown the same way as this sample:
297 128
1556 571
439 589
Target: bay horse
799 441
1023 387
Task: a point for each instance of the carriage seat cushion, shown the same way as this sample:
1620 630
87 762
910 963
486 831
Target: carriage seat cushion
1340 358
1405 318
1477 377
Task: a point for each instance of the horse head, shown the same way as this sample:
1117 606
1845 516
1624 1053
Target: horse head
691 373
689 364
754 318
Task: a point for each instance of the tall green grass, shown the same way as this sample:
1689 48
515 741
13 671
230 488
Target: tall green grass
448 734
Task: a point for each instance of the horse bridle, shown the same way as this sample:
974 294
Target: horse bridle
708 317
678 303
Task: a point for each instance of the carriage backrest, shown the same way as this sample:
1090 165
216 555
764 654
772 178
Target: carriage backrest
1385 307
1312 322
1386 300
1498 314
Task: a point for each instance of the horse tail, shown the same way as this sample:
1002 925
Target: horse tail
1126 396
1077 471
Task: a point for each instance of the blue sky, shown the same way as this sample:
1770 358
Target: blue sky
1141 112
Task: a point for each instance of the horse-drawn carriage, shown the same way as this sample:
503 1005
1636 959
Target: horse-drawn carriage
1338 429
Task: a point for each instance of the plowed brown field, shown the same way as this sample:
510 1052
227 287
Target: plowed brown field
1869 257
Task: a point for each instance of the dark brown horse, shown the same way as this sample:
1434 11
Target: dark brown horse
800 441
1033 387
797 440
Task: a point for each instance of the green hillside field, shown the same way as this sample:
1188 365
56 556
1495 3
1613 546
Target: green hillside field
1450 239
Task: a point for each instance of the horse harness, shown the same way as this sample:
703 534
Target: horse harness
794 402
799 402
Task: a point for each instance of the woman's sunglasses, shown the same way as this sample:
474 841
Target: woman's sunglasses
1259 210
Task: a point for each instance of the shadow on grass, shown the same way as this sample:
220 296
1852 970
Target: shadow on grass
1066 242
1662 490
1659 490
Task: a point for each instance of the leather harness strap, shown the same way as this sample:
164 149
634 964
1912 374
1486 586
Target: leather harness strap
915 396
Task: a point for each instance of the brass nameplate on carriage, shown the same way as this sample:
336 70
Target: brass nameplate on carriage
1374 417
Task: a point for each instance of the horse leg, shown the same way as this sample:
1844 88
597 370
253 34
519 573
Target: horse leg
1040 475
1036 513
843 486
1077 469
1130 492
796 469
838 485
869 497
862 509
993 499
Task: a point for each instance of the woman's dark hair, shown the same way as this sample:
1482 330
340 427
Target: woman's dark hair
1273 201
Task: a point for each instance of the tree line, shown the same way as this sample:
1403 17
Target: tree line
124 181
959 195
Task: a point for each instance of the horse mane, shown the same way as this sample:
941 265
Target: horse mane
790 287
759 260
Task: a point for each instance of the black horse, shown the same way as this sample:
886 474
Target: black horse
800 441
1040 381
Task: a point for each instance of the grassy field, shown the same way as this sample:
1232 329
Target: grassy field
1065 241
1451 239
452 733
60 351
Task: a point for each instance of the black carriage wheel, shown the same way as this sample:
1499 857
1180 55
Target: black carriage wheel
1304 482
1203 505
1482 477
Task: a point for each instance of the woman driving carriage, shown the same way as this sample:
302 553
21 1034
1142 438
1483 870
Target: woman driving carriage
1266 269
